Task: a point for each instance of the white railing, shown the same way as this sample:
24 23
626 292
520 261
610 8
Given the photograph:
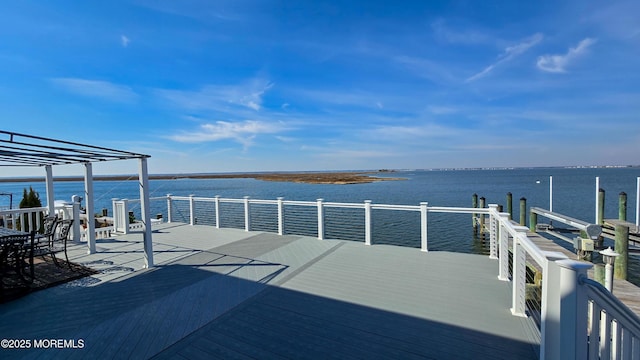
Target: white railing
614 332
570 308
32 218
27 218
579 319
108 231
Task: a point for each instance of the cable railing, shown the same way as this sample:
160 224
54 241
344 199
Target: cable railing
568 309
614 332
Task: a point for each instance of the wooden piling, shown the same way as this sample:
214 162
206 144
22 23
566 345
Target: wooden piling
622 206
510 205
533 221
523 211
600 207
622 248
599 273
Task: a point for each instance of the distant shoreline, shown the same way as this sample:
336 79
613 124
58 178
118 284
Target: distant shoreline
312 177
336 178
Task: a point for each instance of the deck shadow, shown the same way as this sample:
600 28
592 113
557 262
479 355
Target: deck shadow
181 310
47 274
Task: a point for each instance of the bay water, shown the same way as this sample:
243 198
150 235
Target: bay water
574 194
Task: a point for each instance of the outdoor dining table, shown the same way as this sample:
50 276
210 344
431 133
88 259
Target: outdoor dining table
7 237
4 232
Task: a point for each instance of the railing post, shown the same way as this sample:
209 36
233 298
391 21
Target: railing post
550 310
573 310
493 231
424 234
367 222
217 202
320 219
247 214
125 215
503 248
637 202
192 210
519 274
280 216
114 209
474 204
483 202
169 208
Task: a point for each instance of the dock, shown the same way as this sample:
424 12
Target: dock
627 292
608 230
230 293
624 290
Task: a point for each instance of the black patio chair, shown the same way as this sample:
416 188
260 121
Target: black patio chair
49 228
56 245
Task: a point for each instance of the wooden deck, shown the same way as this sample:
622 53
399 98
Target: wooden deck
223 293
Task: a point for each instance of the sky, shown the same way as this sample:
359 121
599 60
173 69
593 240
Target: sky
243 86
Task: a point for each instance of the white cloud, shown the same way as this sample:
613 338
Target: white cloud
405 134
124 40
243 132
508 54
436 72
469 37
220 97
97 89
558 63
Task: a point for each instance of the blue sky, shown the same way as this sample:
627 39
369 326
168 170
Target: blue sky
220 86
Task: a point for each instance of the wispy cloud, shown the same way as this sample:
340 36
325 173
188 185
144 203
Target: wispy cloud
469 37
436 72
124 40
558 63
220 97
509 53
243 132
97 89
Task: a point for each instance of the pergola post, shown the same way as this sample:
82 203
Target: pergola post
88 196
143 178
49 184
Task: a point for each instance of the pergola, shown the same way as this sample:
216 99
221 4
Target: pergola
35 151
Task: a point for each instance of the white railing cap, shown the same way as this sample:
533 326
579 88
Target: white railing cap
574 264
554 255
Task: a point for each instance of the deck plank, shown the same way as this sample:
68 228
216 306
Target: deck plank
236 294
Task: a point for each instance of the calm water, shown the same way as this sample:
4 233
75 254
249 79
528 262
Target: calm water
574 195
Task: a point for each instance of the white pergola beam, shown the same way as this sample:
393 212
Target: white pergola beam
143 180
88 196
50 195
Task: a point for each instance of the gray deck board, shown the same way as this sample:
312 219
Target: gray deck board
231 294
